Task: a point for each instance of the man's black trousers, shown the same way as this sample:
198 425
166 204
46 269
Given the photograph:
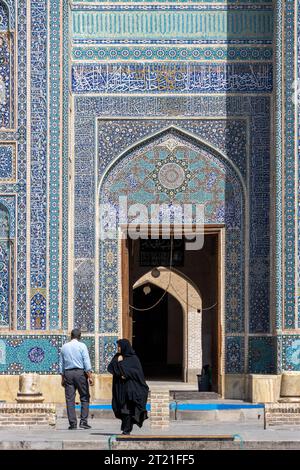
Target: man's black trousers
75 379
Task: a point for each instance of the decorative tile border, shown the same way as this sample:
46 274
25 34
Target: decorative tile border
169 1
65 168
289 166
8 158
173 22
22 166
141 53
38 128
57 101
172 78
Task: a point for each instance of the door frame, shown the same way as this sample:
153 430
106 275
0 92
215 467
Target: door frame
126 314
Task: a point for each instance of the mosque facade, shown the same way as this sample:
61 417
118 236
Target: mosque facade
163 103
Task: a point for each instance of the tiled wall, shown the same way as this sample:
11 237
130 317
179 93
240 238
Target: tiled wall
135 71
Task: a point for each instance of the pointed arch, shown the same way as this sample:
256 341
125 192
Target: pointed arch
189 297
189 137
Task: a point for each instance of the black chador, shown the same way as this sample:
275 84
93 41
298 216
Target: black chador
130 391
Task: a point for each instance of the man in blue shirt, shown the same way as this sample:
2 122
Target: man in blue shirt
76 374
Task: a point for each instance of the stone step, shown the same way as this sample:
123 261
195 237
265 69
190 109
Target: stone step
197 410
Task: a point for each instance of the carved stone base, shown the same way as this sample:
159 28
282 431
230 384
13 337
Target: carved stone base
289 400
30 398
29 389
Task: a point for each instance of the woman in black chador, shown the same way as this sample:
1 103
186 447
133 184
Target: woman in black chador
130 391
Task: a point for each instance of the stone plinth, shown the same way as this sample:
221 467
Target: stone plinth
27 415
290 387
264 388
160 408
29 389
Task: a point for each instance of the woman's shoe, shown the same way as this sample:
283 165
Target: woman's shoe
126 433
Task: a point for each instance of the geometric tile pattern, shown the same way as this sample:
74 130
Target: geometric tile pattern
234 354
289 168
291 352
31 354
138 53
107 349
38 143
262 355
38 319
57 20
4 283
6 81
4 22
181 22
23 177
7 162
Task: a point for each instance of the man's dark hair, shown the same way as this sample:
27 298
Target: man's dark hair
76 333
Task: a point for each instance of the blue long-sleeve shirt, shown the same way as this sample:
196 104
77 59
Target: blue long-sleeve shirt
74 354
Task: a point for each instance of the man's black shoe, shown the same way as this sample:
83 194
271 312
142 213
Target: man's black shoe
84 426
72 427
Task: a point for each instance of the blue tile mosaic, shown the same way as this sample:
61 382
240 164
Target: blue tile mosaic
38 318
291 352
159 53
123 133
107 349
172 78
89 341
30 354
23 178
6 80
235 362
262 355
4 17
4 282
181 22
249 116
7 162
38 145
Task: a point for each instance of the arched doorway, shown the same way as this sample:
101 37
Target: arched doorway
183 292
145 175
157 332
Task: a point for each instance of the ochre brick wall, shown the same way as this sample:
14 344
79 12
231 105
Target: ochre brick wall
16 414
160 412
278 414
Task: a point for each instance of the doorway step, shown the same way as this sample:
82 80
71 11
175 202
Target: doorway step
193 395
